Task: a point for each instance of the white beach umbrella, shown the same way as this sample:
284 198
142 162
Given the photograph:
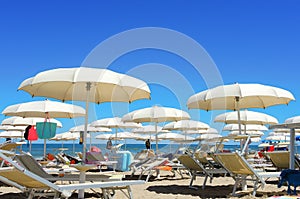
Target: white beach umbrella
176 137
43 109
203 131
207 137
278 137
20 121
11 134
105 136
258 139
88 85
116 123
90 129
186 125
260 133
249 127
246 117
13 128
156 114
239 96
149 129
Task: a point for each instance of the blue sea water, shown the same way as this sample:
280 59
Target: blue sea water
37 150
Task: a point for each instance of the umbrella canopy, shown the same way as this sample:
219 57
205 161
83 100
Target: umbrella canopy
176 137
203 131
20 121
126 135
186 125
68 84
156 114
115 122
260 133
246 117
249 127
293 120
239 96
13 128
207 137
150 129
11 134
105 136
66 136
89 85
45 108
144 137
278 138
89 129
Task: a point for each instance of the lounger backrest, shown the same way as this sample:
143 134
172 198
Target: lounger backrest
234 163
29 163
280 159
189 163
9 146
20 178
94 156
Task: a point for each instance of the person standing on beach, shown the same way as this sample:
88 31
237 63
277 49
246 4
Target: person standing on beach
148 145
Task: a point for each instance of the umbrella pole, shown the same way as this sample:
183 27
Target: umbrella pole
156 138
73 147
90 141
292 148
45 148
82 172
237 99
30 146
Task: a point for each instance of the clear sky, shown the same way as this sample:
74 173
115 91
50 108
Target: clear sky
239 41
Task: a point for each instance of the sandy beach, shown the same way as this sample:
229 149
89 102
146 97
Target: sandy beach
167 187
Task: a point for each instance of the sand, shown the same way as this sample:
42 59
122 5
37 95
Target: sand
170 187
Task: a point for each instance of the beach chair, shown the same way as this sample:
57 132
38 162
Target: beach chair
35 185
281 159
29 163
197 169
242 171
98 159
149 167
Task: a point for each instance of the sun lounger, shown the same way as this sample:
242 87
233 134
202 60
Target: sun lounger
242 171
197 169
29 163
97 158
35 185
281 159
149 167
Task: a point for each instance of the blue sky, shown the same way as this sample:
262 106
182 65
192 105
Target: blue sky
247 41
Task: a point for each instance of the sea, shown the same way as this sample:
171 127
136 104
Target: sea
37 149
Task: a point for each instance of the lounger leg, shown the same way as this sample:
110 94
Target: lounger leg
130 196
31 194
105 194
255 188
148 176
205 180
237 181
192 180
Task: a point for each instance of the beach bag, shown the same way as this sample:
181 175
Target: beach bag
26 133
32 135
46 129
